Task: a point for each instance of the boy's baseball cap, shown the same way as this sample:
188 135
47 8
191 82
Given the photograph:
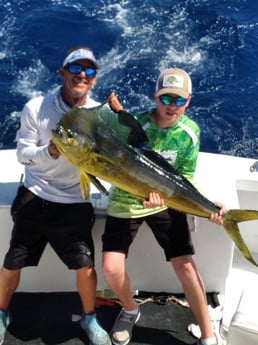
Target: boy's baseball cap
79 54
174 80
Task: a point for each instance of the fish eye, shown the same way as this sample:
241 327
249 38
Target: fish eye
58 131
70 134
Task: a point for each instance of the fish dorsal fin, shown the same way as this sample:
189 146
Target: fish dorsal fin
137 136
163 165
159 160
122 124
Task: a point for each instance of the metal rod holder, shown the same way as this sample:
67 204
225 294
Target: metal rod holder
254 167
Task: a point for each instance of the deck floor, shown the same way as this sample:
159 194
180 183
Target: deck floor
52 318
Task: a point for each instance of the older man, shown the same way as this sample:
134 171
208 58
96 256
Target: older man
49 207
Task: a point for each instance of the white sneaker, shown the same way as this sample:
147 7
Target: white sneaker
218 341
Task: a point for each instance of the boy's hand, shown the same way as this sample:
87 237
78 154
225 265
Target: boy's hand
217 217
153 201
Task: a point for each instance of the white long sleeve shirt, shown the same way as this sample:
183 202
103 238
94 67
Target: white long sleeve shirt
54 180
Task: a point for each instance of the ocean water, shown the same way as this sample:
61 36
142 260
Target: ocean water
216 41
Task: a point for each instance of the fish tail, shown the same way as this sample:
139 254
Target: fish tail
231 220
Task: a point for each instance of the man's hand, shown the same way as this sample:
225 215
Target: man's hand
114 103
53 151
153 201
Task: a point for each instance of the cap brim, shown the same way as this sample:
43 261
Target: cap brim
173 90
93 62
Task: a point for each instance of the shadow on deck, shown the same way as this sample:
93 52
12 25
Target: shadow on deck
52 318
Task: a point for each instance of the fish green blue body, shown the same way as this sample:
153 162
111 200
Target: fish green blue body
113 147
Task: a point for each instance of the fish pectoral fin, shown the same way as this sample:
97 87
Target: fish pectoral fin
98 184
84 184
103 159
231 220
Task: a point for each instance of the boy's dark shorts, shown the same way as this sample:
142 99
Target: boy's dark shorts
169 227
66 227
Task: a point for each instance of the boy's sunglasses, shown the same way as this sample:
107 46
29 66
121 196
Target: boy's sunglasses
77 69
167 100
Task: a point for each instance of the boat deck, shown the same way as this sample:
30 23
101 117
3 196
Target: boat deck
53 318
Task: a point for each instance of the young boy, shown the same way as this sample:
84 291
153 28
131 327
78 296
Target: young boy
176 137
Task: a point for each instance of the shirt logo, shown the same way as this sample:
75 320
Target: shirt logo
170 156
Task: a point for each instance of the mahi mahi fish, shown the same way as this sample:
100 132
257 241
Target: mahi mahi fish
113 147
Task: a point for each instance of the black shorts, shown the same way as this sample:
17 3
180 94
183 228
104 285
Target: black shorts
66 227
169 227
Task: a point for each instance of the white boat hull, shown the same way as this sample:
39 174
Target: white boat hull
220 177
223 178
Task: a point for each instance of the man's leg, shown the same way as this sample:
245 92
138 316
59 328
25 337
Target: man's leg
86 280
9 281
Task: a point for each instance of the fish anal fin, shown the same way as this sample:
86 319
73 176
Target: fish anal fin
98 184
84 184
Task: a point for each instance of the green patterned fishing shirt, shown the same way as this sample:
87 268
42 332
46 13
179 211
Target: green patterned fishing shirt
178 144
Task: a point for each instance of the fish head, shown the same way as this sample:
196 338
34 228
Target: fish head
73 136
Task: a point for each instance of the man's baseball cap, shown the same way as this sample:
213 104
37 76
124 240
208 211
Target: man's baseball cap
79 54
174 80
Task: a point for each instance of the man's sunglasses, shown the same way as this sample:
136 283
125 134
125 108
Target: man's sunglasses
167 100
77 69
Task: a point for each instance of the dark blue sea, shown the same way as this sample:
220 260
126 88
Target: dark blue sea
216 41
